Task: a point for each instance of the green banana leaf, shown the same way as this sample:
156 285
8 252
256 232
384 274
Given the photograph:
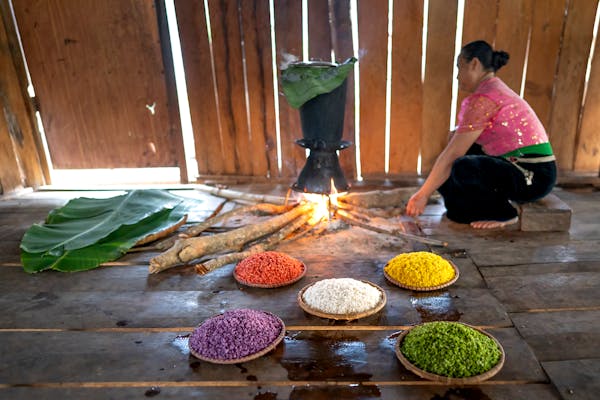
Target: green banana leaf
84 221
107 249
302 81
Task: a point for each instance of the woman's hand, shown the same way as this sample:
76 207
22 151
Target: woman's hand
416 204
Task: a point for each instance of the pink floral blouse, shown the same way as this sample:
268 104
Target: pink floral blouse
508 122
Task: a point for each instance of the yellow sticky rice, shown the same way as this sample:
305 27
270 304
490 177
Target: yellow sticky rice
419 269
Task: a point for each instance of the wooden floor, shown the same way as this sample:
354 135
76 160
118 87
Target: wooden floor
117 332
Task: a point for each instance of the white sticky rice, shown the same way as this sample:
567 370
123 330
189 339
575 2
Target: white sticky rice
341 296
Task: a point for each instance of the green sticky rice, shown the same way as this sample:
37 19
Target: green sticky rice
450 349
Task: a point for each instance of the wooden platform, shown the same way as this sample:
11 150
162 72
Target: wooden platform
117 332
549 214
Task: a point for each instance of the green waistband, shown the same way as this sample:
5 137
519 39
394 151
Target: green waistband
544 149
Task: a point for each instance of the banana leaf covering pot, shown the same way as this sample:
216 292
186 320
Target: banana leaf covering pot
318 89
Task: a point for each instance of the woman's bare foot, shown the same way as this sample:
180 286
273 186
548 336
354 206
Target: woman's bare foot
494 224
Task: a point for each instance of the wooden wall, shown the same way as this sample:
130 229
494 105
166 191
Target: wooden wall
548 40
243 126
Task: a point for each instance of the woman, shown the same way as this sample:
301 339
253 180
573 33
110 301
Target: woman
498 153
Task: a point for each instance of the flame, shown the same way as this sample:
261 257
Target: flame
323 204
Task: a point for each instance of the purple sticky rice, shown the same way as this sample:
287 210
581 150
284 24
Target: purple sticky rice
235 334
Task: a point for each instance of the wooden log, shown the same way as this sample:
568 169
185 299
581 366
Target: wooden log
192 248
165 232
195 230
271 242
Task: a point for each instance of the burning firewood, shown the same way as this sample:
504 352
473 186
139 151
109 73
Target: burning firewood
185 250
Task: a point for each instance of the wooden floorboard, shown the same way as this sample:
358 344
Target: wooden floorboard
101 309
118 332
575 379
561 335
550 290
301 392
304 356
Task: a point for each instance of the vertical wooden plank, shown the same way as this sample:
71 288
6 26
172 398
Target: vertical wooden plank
19 121
514 22
587 152
437 87
98 74
288 39
197 62
10 171
229 72
479 23
344 49
407 94
568 88
372 39
546 30
259 71
319 32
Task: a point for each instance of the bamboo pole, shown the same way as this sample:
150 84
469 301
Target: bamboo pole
237 195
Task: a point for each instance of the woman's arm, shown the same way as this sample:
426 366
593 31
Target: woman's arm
457 147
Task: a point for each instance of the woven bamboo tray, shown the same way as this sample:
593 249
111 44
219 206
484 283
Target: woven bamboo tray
249 357
352 316
428 288
259 285
445 379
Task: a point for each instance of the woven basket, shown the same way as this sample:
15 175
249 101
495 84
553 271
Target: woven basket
445 379
352 316
260 285
249 357
427 288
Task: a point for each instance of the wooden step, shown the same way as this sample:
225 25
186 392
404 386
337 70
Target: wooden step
545 215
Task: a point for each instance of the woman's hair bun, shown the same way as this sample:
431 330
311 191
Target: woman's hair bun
499 59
